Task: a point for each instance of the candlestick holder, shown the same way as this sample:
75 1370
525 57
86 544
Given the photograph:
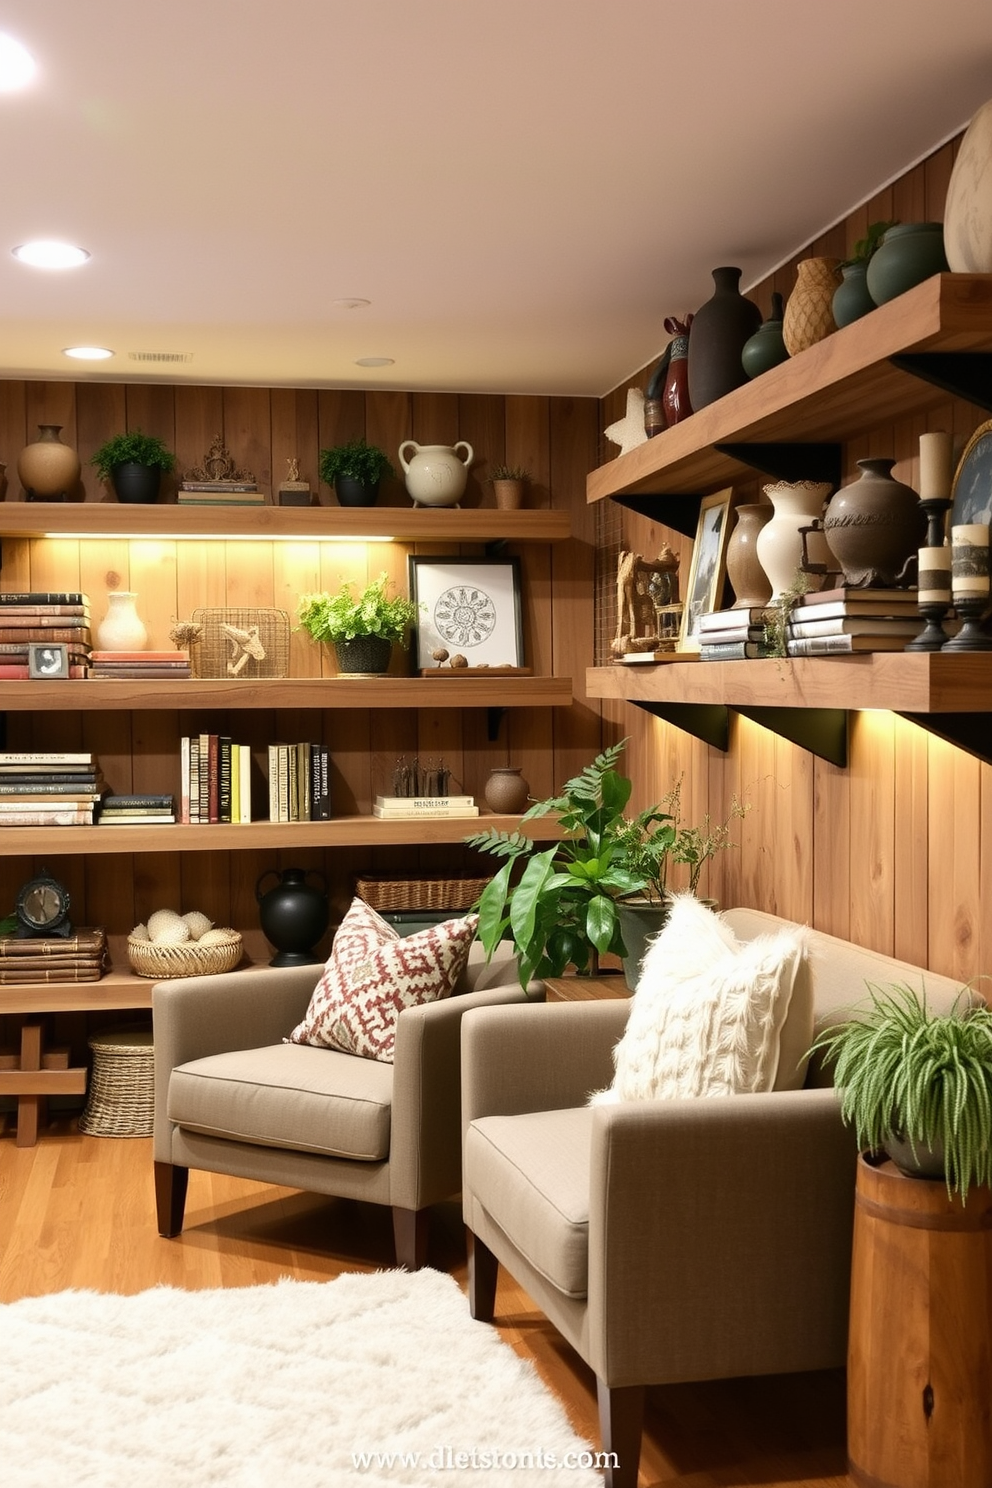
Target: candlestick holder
935 509
933 637
971 636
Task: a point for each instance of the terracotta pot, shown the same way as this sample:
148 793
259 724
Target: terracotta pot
874 525
48 469
750 583
506 791
509 494
809 315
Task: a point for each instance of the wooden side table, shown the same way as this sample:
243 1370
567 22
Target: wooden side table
585 989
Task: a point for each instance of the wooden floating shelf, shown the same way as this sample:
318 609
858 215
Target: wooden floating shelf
834 390
493 689
112 993
303 524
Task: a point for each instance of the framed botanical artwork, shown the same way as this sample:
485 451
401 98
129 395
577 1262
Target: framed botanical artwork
708 568
971 491
467 607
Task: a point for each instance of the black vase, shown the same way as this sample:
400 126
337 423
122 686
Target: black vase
136 483
352 492
293 915
368 655
719 332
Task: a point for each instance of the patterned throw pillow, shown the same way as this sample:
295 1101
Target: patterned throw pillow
710 1013
373 974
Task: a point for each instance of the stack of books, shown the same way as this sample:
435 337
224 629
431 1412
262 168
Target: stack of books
841 621
398 808
49 790
140 810
137 664
732 635
47 617
299 782
219 493
79 957
215 780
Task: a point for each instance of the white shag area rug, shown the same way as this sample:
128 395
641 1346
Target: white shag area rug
369 1380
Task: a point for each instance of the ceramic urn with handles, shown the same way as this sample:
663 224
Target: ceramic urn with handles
436 473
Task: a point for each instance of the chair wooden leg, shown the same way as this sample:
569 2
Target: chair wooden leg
170 1197
483 1270
621 1421
411 1228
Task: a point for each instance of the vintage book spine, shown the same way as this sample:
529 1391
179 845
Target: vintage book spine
203 794
16 760
234 768
194 778
70 785
18 650
245 768
62 974
218 486
846 595
292 784
839 645
20 673
733 651
303 792
213 779
321 803
42 796
397 813
13 635
136 819
138 674
273 782
425 803
43 947
139 656
732 634
162 801
849 625
731 619
182 500
45 614
184 778
45 597
283 779
224 778
42 816
45 622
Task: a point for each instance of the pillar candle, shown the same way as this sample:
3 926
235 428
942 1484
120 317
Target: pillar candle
935 466
970 560
935 576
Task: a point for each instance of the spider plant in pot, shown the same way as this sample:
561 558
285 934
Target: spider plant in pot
917 1084
133 464
509 483
362 627
355 470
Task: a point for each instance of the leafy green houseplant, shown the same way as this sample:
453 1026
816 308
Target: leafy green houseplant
348 618
355 470
133 464
918 1084
509 483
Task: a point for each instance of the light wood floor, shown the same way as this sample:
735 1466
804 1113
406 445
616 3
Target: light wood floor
78 1211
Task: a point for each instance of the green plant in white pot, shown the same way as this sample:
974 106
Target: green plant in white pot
363 627
917 1084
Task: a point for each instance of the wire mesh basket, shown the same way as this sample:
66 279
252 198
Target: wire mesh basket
241 642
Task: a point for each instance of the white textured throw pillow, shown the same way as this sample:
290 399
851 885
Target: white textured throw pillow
709 1013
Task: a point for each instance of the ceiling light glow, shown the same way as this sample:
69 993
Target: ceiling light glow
47 253
17 66
88 353
374 361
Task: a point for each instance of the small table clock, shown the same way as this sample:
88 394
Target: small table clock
42 908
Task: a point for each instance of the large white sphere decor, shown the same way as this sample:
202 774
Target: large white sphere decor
968 209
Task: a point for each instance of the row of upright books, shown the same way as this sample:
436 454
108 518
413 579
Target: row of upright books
52 617
299 782
215 780
829 623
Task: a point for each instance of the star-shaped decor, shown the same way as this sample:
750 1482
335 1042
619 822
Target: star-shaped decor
628 432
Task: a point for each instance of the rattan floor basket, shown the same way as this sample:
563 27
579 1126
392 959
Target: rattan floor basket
191 958
120 1101
420 893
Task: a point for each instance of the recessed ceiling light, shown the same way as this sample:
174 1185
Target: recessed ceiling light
46 253
17 66
374 361
353 302
88 353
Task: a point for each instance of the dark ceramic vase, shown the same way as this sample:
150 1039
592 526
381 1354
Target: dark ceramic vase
873 526
717 338
364 654
506 791
353 492
766 348
293 915
910 252
851 298
136 483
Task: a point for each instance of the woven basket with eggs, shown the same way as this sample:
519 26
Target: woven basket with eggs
174 945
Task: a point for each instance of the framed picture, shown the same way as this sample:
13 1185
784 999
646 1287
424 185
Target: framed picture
708 568
971 490
471 608
48 661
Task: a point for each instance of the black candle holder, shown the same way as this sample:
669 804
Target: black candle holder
935 509
933 637
971 636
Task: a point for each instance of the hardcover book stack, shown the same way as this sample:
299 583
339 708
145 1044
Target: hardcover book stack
78 957
219 493
139 664
842 621
44 616
216 778
136 810
732 635
299 782
49 790
398 808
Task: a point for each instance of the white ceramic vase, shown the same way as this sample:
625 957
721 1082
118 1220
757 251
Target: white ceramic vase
968 208
436 473
121 628
779 544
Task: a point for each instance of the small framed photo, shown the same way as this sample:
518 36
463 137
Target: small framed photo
708 569
471 608
48 661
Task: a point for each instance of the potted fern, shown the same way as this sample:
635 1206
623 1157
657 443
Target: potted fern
133 464
362 627
917 1084
355 470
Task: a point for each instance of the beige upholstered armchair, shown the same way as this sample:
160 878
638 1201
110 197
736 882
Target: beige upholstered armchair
232 1097
667 1240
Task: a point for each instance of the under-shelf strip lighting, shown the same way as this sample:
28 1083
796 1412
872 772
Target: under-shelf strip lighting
267 537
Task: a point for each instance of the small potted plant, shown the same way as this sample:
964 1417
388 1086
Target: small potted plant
362 627
354 470
917 1084
133 464
509 483
851 298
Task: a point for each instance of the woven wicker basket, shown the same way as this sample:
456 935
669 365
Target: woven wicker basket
420 893
186 960
120 1101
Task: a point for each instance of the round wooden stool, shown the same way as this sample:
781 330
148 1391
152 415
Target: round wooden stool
121 1097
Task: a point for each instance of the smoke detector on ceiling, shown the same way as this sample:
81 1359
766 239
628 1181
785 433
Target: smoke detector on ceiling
160 356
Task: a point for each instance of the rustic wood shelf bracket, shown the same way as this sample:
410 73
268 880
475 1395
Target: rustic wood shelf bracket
969 731
494 717
821 731
707 721
964 374
819 461
680 512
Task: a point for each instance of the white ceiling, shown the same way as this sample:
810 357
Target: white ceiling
523 189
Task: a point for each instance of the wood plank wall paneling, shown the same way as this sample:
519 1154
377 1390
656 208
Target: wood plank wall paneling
556 439
894 851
